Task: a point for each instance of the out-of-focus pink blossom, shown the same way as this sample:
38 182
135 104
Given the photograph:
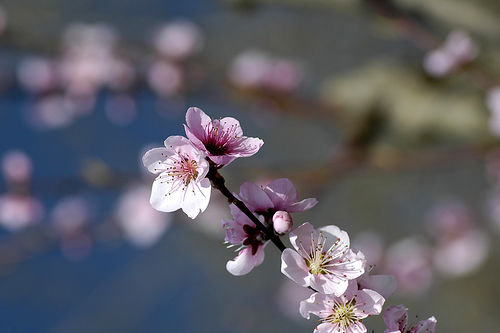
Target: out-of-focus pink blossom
288 299
89 61
256 70
16 166
178 40
51 112
249 69
461 255
70 215
122 74
121 109
284 76
37 74
458 49
141 224
493 104
243 231
282 222
449 219
181 182
372 246
396 321
461 247
410 261
165 78
344 313
221 139
323 259
19 211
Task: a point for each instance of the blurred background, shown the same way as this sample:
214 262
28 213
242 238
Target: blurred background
387 111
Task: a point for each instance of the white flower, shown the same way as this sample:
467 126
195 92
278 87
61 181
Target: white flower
181 182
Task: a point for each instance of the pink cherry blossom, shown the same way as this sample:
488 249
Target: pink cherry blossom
178 40
17 166
221 139
410 261
242 231
19 211
37 74
280 194
181 182
396 321
323 259
344 313
458 49
141 225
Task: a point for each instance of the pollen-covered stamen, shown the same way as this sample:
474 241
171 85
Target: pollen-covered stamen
219 139
180 172
320 260
343 315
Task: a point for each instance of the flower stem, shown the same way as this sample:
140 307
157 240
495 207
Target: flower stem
218 182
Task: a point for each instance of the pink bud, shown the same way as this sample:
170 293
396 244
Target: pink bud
282 222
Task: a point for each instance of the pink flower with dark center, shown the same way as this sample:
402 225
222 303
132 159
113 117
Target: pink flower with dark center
242 231
221 139
345 313
322 259
396 320
181 182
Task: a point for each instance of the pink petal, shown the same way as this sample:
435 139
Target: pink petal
302 205
334 233
223 159
356 327
316 304
282 193
396 317
368 302
194 140
294 267
425 326
327 328
196 198
329 284
247 147
255 197
245 261
197 121
300 237
153 159
164 198
229 123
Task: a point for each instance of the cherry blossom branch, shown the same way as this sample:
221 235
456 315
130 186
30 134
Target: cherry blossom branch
218 182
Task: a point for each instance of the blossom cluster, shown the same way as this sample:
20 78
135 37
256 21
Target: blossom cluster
320 259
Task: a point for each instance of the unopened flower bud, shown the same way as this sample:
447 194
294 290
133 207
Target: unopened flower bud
282 222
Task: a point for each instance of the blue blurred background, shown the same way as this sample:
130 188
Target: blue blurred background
373 107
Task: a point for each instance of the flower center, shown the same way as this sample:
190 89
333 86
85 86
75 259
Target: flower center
343 315
182 170
218 139
318 259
